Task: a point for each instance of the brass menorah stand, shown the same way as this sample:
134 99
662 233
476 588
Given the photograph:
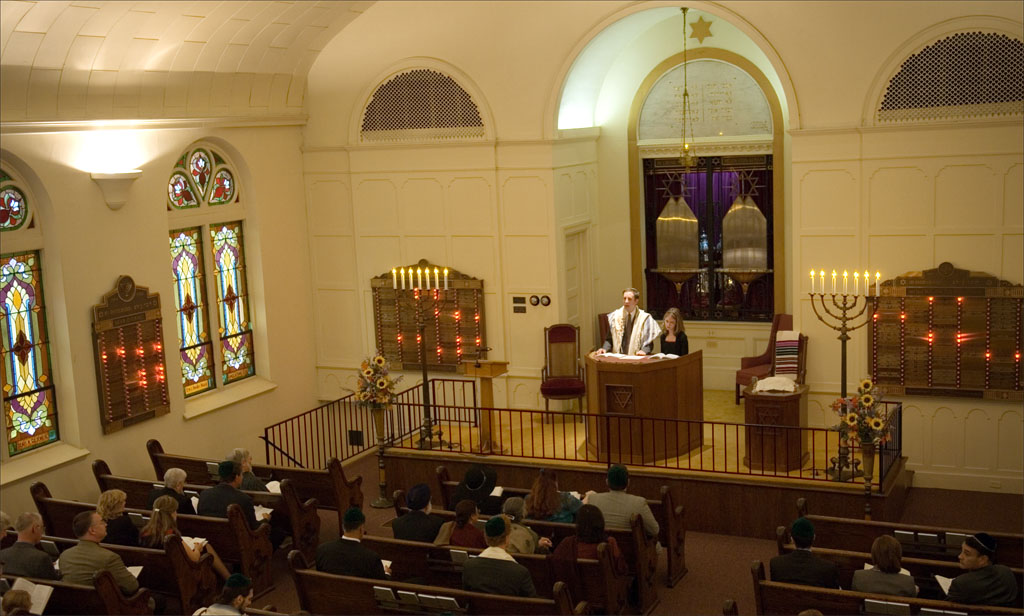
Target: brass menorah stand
841 321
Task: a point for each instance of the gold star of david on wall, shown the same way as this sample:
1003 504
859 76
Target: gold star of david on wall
700 29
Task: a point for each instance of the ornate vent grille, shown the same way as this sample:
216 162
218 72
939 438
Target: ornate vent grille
421 105
965 75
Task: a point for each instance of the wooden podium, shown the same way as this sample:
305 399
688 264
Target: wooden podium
776 441
625 392
485 371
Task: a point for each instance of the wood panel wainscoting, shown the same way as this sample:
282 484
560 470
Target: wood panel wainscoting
715 503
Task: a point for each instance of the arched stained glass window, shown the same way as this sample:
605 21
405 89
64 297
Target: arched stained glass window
200 177
13 205
196 349
30 405
232 302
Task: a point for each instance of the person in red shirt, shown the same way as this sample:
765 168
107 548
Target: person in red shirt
463 531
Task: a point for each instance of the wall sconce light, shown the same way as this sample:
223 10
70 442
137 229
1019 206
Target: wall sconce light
115 186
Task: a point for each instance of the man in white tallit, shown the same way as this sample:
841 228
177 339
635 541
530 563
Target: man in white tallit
631 331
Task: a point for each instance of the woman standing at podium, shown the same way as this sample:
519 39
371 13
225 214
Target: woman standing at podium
674 339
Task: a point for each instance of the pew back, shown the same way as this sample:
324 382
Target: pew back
104 598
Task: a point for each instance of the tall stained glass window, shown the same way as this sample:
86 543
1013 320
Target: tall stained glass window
196 351
30 404
232 302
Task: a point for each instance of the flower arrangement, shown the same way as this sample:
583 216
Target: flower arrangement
376 387
861 416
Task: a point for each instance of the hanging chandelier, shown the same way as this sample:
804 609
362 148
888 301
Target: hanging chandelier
686 152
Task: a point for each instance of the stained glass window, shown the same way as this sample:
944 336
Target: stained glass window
30 404
232 302
196 349
13 207
200 177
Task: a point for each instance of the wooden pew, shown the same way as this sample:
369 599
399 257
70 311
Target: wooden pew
302 518
922 569
234 541
168 570
432 565
638 549
330 487
670 516
781 598
326 593
105 598
934 542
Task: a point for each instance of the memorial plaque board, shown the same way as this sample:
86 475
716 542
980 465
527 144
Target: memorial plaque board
948 332
129 353
451 305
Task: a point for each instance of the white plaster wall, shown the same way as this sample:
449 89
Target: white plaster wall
87 246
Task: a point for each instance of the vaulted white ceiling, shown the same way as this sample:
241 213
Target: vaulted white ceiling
82 60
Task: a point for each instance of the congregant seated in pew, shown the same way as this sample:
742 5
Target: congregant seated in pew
494 570
120 528
478 485
346 555
985 582
546 502
234 598
801 566
522 539
24 557
618 506
164 522
418 524
174 485
462 531
887 576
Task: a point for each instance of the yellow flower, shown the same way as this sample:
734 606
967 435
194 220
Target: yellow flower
379 360
867 400
876 423
866 385
851 419
367 373
382 383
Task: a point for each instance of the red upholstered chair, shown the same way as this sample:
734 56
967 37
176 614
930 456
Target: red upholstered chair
761 365
562 377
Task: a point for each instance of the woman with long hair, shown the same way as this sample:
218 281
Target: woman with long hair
462 532
674 339
120 528
164 522
546 502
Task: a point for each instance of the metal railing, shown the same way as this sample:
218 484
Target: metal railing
707 446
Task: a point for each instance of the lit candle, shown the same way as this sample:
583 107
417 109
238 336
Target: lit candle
446 279
822 275
846 279
419 277
437 283
403 278
833 282
867 280
856 284
812 281
394 278
878 279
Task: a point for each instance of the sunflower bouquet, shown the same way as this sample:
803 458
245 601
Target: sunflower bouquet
861 416
376 387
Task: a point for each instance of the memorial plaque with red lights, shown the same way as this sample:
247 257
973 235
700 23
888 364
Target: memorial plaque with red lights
948 332
129 348
449 305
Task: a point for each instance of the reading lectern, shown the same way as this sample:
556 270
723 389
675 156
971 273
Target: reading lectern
637 401
485 371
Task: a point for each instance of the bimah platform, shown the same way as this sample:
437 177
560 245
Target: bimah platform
638 401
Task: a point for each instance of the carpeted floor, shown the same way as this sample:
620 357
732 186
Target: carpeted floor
719 565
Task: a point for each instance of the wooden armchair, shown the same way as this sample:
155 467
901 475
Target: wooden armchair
562 376
761 365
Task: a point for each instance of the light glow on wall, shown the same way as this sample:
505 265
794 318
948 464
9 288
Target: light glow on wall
109 151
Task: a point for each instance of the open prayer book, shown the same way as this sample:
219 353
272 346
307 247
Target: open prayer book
903 571
195 503
194 542
497 491
944 582
135 570
40 594
274 487
262 512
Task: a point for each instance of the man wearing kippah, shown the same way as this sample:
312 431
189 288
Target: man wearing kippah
985 582
418 524
617 506
494 570
347 555
802 567
234 598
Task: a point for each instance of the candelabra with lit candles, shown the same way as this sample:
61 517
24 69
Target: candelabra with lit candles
843 320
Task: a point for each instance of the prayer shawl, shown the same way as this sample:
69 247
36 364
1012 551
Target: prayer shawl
645 331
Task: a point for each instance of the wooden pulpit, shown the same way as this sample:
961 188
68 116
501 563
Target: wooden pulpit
485 371
637 401
775 438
